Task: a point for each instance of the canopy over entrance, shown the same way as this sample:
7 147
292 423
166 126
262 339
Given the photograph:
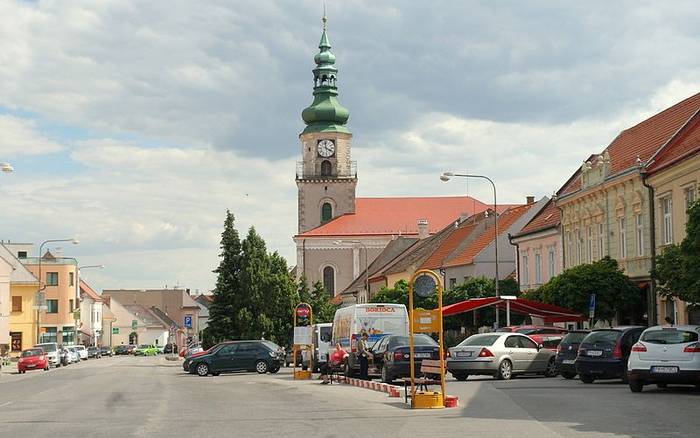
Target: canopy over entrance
548 312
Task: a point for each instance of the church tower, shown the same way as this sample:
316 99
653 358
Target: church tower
326 177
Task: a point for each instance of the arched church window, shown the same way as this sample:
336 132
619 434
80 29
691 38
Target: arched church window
324 80
326 212
329 280
326 168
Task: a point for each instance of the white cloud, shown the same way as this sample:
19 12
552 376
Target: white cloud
20 136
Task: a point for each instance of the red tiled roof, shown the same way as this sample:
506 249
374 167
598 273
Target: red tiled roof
548 217
505 220
646 138
457 236
687 144
86 289
399 216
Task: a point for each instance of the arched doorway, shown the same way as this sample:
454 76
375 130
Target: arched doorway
133 338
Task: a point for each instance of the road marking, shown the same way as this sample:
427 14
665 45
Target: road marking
5 404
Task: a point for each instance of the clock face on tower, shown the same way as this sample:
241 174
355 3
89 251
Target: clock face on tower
326 148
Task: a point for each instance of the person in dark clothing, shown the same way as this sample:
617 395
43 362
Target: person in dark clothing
363 356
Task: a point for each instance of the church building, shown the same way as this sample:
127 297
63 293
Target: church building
339 234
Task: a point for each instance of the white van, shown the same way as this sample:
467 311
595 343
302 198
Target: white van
52 352
322 336
377 320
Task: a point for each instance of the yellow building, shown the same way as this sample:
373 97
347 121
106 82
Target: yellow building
674 175
23 286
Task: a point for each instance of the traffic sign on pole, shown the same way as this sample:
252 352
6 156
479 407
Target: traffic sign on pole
188 321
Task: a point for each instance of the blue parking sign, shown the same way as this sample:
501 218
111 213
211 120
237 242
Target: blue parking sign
188 321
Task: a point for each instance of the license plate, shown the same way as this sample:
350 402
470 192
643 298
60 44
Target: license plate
568 361
31 365
422 355
664 370
464 354
595 353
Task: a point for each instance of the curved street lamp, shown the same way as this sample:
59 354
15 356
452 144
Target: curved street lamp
446 177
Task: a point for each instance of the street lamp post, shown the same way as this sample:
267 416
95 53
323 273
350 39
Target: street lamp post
357 242
446 177
41 288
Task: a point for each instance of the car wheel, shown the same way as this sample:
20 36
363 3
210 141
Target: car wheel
568 376
661 385
551 369
347 370
202 369
275 369
636 386
261 367
460 376
46 369
586 378
505 370
386 377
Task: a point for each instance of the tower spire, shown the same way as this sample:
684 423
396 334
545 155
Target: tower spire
325 114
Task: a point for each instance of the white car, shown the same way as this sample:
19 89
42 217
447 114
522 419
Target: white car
52 351
73 355
82 351
663 355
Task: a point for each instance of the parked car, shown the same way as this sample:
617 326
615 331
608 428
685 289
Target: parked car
260 356
391 355
52 351
94 352
603 353
82 351
32 359
665 355
73 354
106 351
130 349
567 352
146 350
546 335
188 360
121 350
501 355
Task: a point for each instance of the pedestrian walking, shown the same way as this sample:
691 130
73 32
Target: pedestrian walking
363 356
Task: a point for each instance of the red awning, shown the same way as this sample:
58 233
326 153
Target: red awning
548 312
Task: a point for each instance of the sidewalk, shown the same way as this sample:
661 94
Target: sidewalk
9 369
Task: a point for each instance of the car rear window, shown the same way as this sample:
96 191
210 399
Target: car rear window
49 348
669 336
479 340
573 338
526 331
417 340
603 336
34 352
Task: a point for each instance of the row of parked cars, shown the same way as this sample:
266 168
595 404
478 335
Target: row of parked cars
43 356
637 355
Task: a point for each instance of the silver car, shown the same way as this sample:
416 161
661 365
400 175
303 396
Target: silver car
665 355
501 355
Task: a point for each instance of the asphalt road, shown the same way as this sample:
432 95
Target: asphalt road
150 397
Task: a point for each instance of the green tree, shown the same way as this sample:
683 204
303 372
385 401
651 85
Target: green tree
399 295
678 267
221 312
319 299
616 295
480 287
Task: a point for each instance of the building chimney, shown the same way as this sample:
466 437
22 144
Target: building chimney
422 228
530 200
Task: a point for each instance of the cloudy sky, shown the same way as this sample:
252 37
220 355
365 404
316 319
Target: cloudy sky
134 125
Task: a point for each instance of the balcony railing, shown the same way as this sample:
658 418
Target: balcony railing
52 261
304 173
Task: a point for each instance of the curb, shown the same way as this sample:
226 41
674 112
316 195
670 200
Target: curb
391 390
